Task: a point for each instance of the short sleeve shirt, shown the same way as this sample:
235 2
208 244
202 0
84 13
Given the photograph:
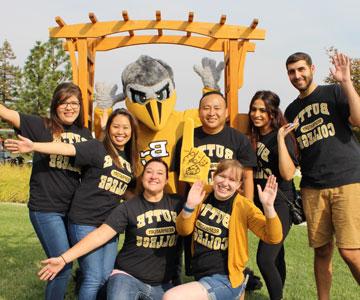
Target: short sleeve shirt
149 248
268 160
54 178
227 144
330 154
102 186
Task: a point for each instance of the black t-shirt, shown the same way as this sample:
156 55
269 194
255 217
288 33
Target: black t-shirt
268 162
227 144
102 186
211 237
149 250
330 154
54 178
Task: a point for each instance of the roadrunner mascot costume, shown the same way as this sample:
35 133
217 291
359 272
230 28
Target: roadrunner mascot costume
150 95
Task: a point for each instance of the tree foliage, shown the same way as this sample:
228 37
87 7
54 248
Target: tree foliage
9 74
355 76
46 67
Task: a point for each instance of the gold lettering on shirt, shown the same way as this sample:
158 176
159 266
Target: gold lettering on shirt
157 237
321 132
316 130
61 161
262 173
216 214
160 231
210 229
219 151
113 185
156 242
262 151
156 215
209 240
120 176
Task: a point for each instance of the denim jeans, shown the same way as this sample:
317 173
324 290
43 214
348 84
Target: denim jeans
96 266
51 229
219 287
127 287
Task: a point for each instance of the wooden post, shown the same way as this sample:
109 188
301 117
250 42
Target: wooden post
83 77
233 79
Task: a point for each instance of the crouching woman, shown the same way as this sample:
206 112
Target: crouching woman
219 227
144 266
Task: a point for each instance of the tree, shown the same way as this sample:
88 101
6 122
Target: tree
9 74
355 76
46 67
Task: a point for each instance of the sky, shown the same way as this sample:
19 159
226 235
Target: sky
310 26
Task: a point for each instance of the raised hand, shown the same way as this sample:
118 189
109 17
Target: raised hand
106 95
209 73
52 267
196 194
286 129
268 195
341 67
22 145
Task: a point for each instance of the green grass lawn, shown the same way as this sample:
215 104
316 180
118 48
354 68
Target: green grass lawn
20 254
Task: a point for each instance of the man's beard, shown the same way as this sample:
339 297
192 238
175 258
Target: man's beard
303 89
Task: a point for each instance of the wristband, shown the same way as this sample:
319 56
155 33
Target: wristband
188 209
63 259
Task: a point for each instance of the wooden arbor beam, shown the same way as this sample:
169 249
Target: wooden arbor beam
110 43
100 29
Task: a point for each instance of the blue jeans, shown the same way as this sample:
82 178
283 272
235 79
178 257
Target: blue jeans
51 229
126 287
219 287
95 266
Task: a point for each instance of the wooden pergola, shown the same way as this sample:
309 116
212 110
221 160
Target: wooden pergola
85 39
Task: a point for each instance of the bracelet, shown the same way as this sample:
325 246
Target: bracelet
188 209
63 259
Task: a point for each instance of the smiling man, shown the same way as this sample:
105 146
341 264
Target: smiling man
330 163
219 141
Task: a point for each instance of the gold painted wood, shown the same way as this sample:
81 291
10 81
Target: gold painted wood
232 94
89 30
88 38
126 18
110 43
158 18
83 77
70 46
222 19
92 18
190 19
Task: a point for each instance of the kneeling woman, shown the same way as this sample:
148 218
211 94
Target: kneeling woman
144 266
219 227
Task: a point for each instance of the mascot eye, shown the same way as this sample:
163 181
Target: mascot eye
137 96
164 93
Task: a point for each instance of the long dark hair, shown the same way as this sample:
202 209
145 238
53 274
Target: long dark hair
61 93
277 119
131 149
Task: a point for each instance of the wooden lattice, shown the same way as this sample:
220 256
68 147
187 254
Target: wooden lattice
86 39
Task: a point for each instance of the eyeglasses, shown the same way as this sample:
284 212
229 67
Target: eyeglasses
73 105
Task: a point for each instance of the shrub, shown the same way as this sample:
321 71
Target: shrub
14 183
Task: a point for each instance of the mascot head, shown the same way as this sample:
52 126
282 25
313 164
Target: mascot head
149 88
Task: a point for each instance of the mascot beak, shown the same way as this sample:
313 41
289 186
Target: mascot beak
154 113
154 109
